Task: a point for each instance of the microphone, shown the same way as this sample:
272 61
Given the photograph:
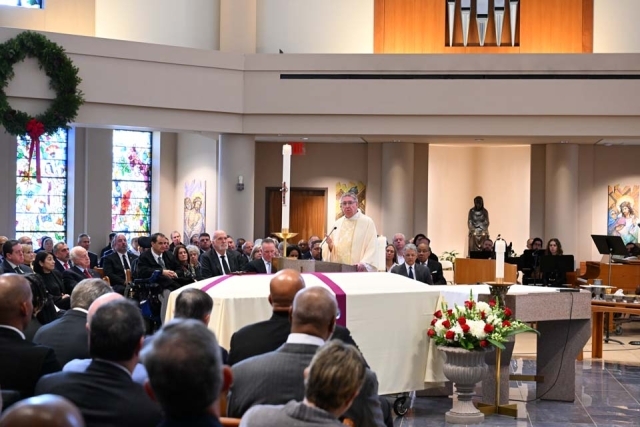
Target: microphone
330 233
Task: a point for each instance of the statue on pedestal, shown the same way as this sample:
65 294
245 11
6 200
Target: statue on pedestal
478 222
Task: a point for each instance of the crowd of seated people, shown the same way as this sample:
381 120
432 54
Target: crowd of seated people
115 375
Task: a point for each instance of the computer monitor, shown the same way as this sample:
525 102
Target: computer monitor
482 255
555 268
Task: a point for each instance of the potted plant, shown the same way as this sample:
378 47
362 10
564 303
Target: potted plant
449 256
464 334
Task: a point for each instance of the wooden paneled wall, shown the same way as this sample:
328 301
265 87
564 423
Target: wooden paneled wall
544 26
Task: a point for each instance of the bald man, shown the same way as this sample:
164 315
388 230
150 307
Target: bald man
266 336
276 378
22 363
47 410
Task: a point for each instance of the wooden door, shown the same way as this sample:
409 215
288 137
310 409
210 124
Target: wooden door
307 215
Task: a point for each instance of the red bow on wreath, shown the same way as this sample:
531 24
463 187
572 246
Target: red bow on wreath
35 129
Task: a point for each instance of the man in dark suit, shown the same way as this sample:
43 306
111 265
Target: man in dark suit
424 258
22 363
276 378
67 336
61 254
409 268
175 240
309 255
107 250
80 269
116 264
105 393
264 265
219 260
187 383
269 335
13 259
84 240
159 258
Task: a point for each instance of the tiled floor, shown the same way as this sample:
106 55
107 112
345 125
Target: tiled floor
607 391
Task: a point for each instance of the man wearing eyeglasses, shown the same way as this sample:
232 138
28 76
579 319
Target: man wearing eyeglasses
353 240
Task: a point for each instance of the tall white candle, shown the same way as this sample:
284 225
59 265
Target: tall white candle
286 177
501 248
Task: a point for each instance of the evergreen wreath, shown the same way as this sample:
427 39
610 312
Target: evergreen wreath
63 80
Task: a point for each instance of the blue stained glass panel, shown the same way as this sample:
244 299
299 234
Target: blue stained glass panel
131 186
32 4
41 208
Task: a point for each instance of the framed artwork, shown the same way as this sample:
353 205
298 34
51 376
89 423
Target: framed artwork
358 188
194 208
622 219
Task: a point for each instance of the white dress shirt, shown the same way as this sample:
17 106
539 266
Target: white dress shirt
295 338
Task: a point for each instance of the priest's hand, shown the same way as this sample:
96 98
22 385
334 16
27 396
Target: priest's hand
329 242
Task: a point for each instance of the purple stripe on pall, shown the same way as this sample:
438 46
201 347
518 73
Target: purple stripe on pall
341 297
215 282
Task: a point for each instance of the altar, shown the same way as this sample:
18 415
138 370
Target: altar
388 316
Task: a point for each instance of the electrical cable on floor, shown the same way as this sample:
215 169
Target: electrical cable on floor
564 348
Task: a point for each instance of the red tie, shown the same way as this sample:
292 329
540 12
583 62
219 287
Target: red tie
66 266
87 274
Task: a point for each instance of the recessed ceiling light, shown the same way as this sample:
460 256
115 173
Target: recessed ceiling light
305 139
479 139
564 142
607 144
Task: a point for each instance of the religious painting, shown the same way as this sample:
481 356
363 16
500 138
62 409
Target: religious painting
622 219
358 188
194 208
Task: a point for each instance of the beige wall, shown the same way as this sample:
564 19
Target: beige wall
315 26
322 166
164 193
615 26
193 23
457 174
58 16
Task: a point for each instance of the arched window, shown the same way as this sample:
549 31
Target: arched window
41 208
131 187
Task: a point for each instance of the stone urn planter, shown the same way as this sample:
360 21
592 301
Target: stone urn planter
465 369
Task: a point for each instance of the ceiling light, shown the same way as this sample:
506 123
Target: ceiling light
305 139
479 139
607 144
564 142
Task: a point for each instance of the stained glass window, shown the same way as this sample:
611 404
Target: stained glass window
41 208
34 4
131 186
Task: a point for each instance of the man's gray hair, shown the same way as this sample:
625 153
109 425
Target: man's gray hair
74 252
270 241
409 247
354 196
184 363
87 291
57 246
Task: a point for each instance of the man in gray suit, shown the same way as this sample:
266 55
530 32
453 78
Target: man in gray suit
409 268
332 382
277 377
13 259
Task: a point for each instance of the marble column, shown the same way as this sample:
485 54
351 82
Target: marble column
561 195
238 26
397 189
236 157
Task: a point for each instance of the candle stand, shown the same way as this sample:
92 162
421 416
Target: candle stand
285 235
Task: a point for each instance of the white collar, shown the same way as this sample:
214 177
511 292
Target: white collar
223 255
117 365
412 265
81 310
18 331
355 216
266 262
295 338
155 255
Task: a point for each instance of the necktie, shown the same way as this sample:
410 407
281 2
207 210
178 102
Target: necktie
66 265
18 270
268 266
225 266
411 273
87 274
161 262
125 262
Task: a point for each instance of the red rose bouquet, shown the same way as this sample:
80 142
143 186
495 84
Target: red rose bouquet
475 325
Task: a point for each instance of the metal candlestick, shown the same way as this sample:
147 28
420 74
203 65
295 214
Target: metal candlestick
285 235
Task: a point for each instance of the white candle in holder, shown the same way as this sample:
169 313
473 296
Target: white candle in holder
286 176
501 248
